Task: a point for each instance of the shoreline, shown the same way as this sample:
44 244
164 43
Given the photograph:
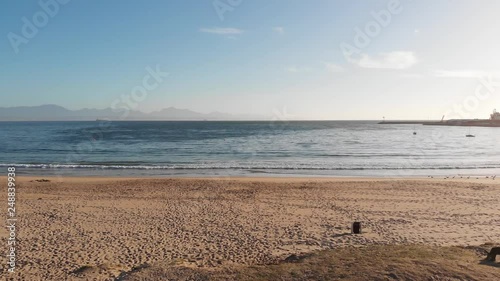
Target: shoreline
252 173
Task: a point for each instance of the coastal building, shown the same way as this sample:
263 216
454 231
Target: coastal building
495 116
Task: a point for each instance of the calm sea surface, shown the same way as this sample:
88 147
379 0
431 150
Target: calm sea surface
321 148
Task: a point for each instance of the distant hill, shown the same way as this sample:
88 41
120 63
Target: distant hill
51 112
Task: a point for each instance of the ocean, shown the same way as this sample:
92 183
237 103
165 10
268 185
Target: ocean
246 148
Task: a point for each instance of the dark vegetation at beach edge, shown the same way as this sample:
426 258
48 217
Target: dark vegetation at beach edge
377 262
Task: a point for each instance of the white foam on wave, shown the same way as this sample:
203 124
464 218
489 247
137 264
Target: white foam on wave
236 166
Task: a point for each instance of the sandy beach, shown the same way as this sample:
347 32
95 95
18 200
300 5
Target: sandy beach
102 228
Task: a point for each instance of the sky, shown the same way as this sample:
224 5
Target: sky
295 59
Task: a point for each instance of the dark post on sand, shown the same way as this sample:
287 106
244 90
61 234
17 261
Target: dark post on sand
356 227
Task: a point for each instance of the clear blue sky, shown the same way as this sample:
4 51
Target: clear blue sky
263 57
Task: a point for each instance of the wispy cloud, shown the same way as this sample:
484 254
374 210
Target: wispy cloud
332 67
222 30
392 60
464 73
295 69
279 29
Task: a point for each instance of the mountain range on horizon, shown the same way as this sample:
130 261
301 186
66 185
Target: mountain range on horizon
52 112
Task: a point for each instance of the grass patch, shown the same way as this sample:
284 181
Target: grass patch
369 263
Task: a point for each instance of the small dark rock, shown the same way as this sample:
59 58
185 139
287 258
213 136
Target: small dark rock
393 276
